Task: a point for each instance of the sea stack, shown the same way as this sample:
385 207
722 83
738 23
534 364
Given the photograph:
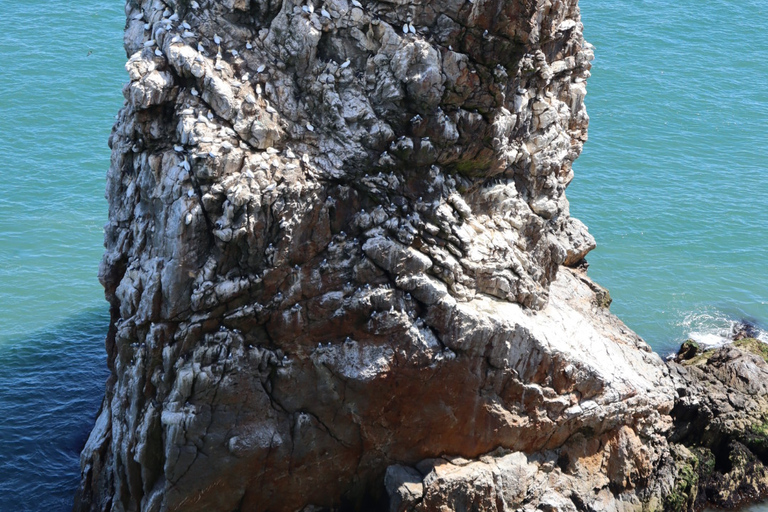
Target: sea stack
343 275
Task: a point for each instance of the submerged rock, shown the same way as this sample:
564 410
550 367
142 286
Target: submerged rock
343 274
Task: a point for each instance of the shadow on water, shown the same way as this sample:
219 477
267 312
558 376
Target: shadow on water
51 385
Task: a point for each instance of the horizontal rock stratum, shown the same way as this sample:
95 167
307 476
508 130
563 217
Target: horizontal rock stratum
343 275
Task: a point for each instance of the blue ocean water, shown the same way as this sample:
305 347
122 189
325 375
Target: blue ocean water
672 181
60 88
669 183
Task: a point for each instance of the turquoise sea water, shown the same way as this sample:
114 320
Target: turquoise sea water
672 182
669 183
57 106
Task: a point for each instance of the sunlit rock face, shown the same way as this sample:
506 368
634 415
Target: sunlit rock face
338 242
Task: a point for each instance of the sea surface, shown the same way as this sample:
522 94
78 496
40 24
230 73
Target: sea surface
672 184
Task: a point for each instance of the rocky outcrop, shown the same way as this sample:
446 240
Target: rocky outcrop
722 415
342 270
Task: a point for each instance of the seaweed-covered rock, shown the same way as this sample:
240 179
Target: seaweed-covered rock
721 415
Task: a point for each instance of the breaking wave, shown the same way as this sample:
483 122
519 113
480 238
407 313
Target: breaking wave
715 328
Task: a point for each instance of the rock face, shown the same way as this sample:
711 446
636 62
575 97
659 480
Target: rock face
337 261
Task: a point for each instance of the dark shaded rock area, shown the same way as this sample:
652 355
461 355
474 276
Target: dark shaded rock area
721 415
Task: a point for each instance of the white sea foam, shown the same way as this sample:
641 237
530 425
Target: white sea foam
712 329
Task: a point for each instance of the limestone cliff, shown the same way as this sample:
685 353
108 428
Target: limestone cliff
337 261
